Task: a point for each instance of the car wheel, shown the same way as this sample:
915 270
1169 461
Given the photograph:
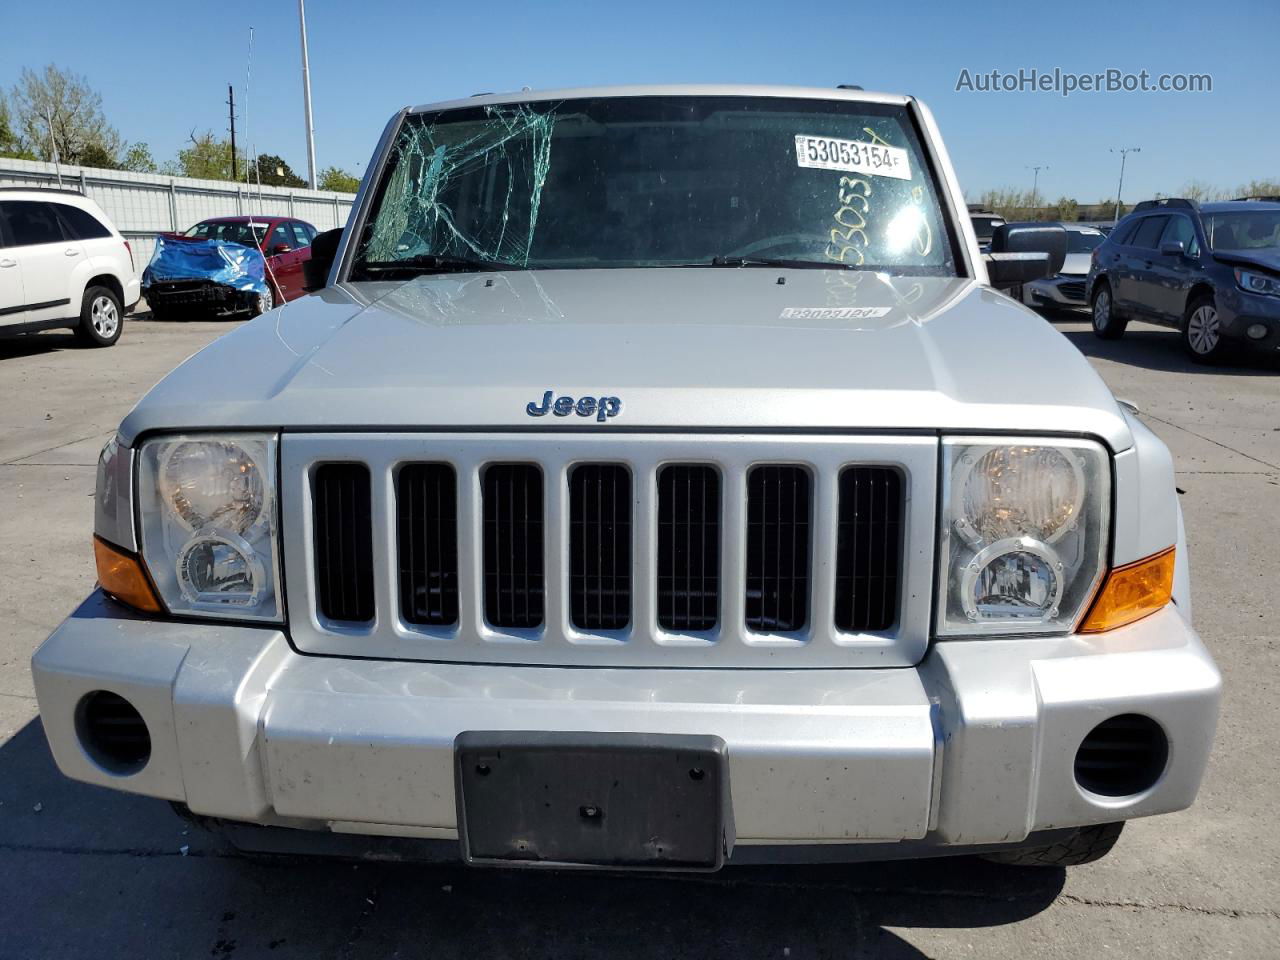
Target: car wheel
101 317
1084 846
1202 332
1107 325
261 303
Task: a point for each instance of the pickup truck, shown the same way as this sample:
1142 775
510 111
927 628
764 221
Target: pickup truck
656 479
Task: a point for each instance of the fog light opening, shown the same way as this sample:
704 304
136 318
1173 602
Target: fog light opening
113 733
1256 331
1122 757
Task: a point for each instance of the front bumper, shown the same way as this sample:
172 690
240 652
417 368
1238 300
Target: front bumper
1239 310
197 293
974 746
1061 291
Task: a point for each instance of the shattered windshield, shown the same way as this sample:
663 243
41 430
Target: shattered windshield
656 181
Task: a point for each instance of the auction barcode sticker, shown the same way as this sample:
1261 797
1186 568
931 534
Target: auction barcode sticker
829 153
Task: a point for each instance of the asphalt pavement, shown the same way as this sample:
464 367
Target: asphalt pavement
91 873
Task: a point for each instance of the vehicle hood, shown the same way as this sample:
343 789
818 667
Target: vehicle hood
1076 264
1268 259
682 349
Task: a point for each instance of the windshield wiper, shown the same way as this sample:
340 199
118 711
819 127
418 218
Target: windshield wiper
776 262
433 263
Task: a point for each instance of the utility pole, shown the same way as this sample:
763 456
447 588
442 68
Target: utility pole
306 96
1123 153
1035 180
231 110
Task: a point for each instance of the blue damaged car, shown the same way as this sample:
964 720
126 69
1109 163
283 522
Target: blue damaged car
225 275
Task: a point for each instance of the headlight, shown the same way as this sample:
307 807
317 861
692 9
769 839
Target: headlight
1023 536
1257 282
209 524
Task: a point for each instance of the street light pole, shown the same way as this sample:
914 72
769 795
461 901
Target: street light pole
306 96
1120 189
1035 181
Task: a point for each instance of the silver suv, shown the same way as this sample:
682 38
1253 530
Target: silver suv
657 481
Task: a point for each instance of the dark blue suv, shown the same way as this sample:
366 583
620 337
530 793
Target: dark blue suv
1212 270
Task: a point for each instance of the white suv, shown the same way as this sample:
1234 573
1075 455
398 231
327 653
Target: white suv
62 264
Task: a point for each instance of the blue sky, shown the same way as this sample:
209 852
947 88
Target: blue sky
163 67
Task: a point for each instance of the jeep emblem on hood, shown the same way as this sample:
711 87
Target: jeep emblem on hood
603 407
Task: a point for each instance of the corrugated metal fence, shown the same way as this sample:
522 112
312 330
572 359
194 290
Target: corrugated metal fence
144 204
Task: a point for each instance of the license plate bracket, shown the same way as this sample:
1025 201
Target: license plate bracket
598 800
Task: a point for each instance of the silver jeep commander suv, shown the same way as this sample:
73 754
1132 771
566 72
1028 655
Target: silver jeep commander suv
658 480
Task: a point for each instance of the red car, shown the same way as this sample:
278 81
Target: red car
285 242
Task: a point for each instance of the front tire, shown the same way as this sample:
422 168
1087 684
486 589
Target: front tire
1202 332
101 317
1107 325
1084 846
261 303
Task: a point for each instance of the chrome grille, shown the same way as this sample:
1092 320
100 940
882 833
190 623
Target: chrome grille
626 550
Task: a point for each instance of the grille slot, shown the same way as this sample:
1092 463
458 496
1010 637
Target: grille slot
688 547
513 561
427 522
868 545
600 546
777 588
343 528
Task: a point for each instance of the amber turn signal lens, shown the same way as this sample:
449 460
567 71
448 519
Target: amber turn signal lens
122 576
1132 592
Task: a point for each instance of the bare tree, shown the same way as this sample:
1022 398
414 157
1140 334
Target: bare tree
58 107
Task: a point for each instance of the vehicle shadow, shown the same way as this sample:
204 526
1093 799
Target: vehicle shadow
85 866
30 344
1154 348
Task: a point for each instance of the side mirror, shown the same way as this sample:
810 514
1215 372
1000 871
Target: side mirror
324 248
280 248
1022 252
1173 248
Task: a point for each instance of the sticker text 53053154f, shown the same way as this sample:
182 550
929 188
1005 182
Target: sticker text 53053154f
830 153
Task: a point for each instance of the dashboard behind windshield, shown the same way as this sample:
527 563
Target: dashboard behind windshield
658 181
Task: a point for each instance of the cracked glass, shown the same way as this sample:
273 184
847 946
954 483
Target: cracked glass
656 181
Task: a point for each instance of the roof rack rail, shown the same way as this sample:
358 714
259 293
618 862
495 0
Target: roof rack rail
1166 202
44 189
1262 198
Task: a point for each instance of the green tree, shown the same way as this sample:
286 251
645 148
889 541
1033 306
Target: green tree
274 172
96 155
138 159
207 158
1065 209
11 144
338 180
59 107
